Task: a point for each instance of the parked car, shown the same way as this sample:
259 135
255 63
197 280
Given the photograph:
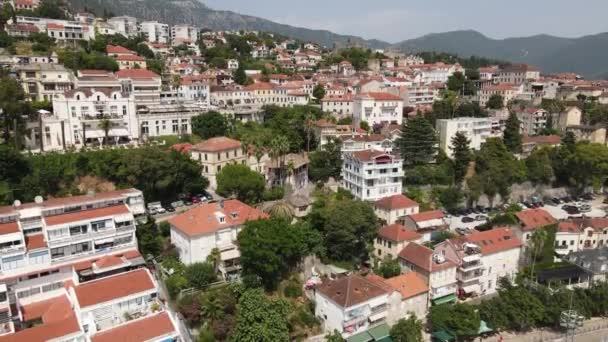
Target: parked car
567 199
481 218
467 219
556 201
527 204
170 209
196 200
177 204
588 196
585 208
462 230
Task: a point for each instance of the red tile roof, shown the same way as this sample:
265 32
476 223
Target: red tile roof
136 73
408 285
369 155
351 290
114 287
109 261
598 224
58 320
130 58
54 26
324 123
144 329
8 228
427 216
542 140
535 218
203 219
117 49
495 240
396 202
501 87
338 98
422 257
83 265
33 242
568 227
184 147
217 144
86 215
382 96
397 232
260 86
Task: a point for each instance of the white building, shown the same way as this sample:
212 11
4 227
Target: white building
195 90
197 232
63 31
339 105
437 72
392 239
183 33
391 209
356 142
127 26
483 258
42 81
518 74
477 130
427 223
155 32
232 64
580 234
371 175
378 109
533 120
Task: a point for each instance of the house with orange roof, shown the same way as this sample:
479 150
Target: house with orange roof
436 270
508 91
209 226
215 153
427 223
391 239
483 258
391 209
371 175
409 294
340 104
581 234
378 108
531 220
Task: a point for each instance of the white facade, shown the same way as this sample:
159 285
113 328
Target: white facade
533 120
378 109
63 31
340 105
127 26
372 175
184 34
195 91
43 81
477 130
155 32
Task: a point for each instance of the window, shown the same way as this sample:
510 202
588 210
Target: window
78 230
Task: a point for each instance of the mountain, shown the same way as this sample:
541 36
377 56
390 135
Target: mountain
587 56
196 13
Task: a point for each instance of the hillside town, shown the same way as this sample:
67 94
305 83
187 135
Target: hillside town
174 183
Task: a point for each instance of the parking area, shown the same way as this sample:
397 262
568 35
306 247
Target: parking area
577 207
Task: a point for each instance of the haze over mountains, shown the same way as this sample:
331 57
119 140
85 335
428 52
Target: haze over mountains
587 55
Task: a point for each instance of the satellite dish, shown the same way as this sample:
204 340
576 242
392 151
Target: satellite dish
38 199
17 203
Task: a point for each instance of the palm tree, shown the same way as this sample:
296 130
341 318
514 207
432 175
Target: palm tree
279 147
281 210
211 308
214 258
308 127
106 125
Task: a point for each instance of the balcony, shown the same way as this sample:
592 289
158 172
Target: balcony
469 276
127 228
471 265
98 117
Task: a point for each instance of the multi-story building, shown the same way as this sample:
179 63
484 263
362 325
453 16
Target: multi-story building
378 109
372 175
530 221
571 116
427 223
477 130
340 105
376 142
197 232
392 239
437 72
144 84
326 131
533 120
506 90
42 81
393 208
166 118
483 258
155 32
79 116
195 89
181 34
215 153
63 31
594 264
257 95
518 74
131 62
581 234
438 272
127 26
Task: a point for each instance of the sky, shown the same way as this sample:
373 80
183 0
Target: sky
396 20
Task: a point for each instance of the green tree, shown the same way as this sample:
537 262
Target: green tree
270 249
460 84
279 148
335 336
12 105
364 126
495 101
450 198
318 92
389 267
105 124
418 142
407 330
540 169
347 226
512 136
240 77
326 162
260 318
209 125
460 319
588 165
200 274
240 181
462 156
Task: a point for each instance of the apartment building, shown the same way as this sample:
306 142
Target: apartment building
184 34
580 234
375 142
326 131
518 74
43 81
372 175
571 116
437 271
378 109
155 32
477 130
215 153
483 258
436 72
508 91
339 105
78 118
144 84
257 95
533 120
531 220
127 26
200 230
391 209
195 89
63 31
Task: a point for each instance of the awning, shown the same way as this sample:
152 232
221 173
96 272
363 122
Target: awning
102 241
380 332
378 316
230 254
484 328
361 337
444 299
120 132
443 336
472 288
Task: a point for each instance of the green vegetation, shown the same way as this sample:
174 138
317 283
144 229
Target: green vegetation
460 319
473 62
496 101
326 162
241 182
407 330
211 124
418 142
512 136
260 318
389 267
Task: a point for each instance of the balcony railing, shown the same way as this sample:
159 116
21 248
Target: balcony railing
123 229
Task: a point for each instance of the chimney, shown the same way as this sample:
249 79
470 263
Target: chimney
220 204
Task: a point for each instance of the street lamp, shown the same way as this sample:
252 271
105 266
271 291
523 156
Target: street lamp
570 320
